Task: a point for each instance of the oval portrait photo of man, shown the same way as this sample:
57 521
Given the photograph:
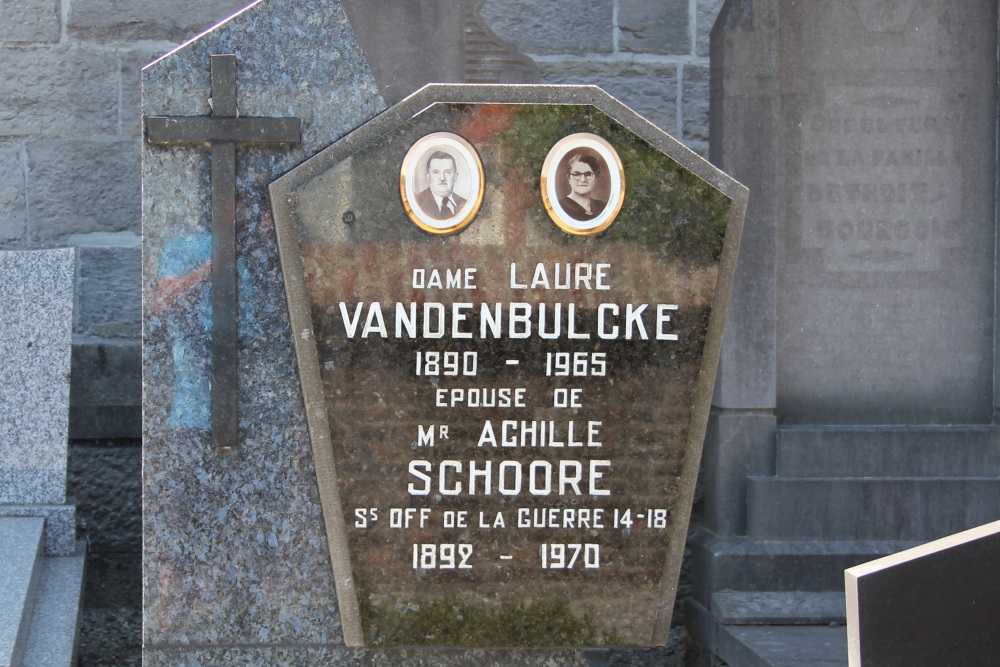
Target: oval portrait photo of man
583 184
441 183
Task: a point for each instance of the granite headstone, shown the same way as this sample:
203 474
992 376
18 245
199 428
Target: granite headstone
36 324
936 604
237 565
508 403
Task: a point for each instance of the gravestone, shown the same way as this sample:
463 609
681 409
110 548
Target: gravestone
36 320
41 574
506 402
936 604
252 553
847 425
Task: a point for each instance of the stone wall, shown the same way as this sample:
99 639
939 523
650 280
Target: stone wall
650 54
70 135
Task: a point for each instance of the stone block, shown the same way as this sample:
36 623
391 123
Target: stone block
36 316
29 21
744 142
869 508
737 444
60 525
13 211
55 623
20 573
743 564
891 451
64 91
133 59
105 398
134 20
783 646
779 607
96 191
109 294
708 11
695 95
888 186
106 482
541 27
650 90
654 27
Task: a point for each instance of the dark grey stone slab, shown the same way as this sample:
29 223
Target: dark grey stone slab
887 212
783 646
105 397
55 623
892 451
743 564
106 482
936 604
108 292
744 133
36 318
779 608
869 508
738 444
20 572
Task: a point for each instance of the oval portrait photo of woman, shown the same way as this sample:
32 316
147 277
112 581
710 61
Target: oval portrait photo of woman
583 184
441 183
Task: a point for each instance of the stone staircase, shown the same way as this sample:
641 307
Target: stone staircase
838 497
39 598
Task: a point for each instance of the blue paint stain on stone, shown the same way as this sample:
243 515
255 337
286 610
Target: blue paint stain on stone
184 254
191 406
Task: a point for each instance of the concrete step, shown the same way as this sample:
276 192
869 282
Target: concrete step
743 564
742 645
780 607
782 646
864 508
888 451
56 621
21 556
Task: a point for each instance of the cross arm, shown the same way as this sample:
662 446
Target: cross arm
207 130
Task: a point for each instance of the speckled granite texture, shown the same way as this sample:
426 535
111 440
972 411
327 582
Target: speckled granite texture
60 525
233 546
36 323
311 656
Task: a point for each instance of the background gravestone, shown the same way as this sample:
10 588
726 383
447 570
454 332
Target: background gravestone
849 424
41 575
36 315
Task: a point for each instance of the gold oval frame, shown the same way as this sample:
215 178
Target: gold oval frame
408 177
616 171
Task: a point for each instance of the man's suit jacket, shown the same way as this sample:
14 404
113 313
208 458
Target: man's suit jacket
425 200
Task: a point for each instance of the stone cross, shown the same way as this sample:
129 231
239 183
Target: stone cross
222 131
